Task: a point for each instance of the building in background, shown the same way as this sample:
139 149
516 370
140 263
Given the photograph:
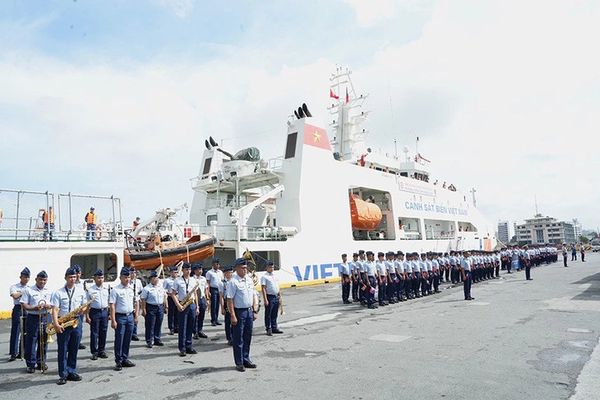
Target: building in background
503 232
540 230
577 228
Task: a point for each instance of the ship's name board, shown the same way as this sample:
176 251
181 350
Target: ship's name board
316 271
431 207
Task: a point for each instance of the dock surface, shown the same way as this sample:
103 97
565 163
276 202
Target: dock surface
517 340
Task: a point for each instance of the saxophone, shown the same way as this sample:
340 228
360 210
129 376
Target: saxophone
71 319
189 297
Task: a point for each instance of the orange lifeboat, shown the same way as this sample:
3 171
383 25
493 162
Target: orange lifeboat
195 249
365 216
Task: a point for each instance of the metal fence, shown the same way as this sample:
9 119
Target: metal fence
22 217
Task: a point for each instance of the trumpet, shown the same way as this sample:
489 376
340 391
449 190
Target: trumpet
71 319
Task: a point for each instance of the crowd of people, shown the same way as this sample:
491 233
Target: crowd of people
396 277
185 296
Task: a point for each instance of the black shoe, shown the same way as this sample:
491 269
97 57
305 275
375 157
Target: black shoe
94 357
30 370
12 358
218 323
149 345
39 367
202 335
471 298
82 346
74 377
347 302
118 367
269 332
102 355
277 331
530 279
250 365
240 368
182 354
372 307
61 381
159 344
135 338
191 351
128 364
213 323
229 343
170 331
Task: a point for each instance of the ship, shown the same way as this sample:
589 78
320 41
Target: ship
328 193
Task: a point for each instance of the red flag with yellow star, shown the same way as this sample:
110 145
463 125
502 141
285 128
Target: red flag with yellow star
317 137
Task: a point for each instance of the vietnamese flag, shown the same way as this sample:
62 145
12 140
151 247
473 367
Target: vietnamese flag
333 95
314 136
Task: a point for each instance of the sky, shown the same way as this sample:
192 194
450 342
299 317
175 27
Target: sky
117 97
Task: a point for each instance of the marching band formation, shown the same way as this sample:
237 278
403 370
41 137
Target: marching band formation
396 277
184 296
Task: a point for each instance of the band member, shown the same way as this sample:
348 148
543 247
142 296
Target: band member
466 270
36 302
185 287
202 294
154 302
228 273
97 315
242 305
172 317
65 300
214 278
137 286
354 272
370 280
81 284
122 317
344 271
272 297
16 291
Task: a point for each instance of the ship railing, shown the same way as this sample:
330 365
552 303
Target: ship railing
14 226
440 236
223 201
251 233
276 163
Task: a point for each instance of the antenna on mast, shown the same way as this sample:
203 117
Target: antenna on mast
536 205
474 200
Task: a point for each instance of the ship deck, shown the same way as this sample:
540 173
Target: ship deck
518 339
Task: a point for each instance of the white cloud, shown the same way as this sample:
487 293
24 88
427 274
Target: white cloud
181 8
369 12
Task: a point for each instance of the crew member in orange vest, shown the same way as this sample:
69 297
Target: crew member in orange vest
90 220
48 218
136 222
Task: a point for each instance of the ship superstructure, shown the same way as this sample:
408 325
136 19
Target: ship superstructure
327 195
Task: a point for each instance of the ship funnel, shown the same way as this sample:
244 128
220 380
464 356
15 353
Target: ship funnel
212 142
301 113
296 114
208 146
305 109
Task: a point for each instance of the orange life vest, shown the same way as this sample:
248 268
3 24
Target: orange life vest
48 216
90 218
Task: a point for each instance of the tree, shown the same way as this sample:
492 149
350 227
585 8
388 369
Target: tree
583 239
